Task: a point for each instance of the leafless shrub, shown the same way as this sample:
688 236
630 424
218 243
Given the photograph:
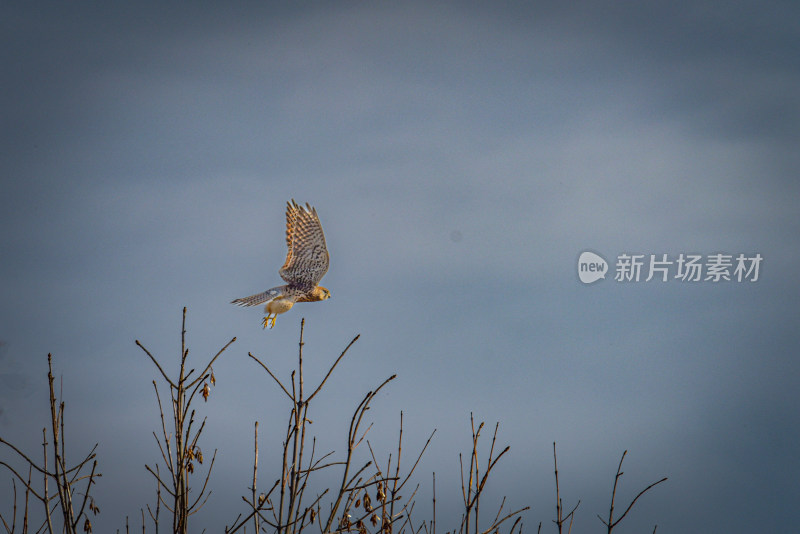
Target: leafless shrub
351 507
178 445
285 507
610 523
66 510
371 498
473 485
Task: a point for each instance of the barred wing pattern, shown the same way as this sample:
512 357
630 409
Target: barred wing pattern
258 298
307 258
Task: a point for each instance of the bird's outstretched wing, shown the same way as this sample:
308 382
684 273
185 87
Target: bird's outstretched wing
307 258
258 298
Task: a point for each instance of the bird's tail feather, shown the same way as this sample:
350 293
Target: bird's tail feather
258 298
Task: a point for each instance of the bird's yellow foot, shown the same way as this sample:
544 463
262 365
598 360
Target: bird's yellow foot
269 320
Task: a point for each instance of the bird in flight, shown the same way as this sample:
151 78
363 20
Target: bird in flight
306 264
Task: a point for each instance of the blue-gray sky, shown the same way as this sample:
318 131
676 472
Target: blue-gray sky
460 157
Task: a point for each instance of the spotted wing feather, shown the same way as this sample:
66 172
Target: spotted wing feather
307 258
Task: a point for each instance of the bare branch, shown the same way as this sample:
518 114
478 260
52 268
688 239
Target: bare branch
272 375
157 364
333 367
611 523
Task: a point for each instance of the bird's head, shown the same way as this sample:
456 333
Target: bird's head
316 294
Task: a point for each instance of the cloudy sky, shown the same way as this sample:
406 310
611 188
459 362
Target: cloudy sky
461 158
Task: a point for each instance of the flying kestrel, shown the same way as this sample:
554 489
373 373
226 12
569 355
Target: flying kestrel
306 264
